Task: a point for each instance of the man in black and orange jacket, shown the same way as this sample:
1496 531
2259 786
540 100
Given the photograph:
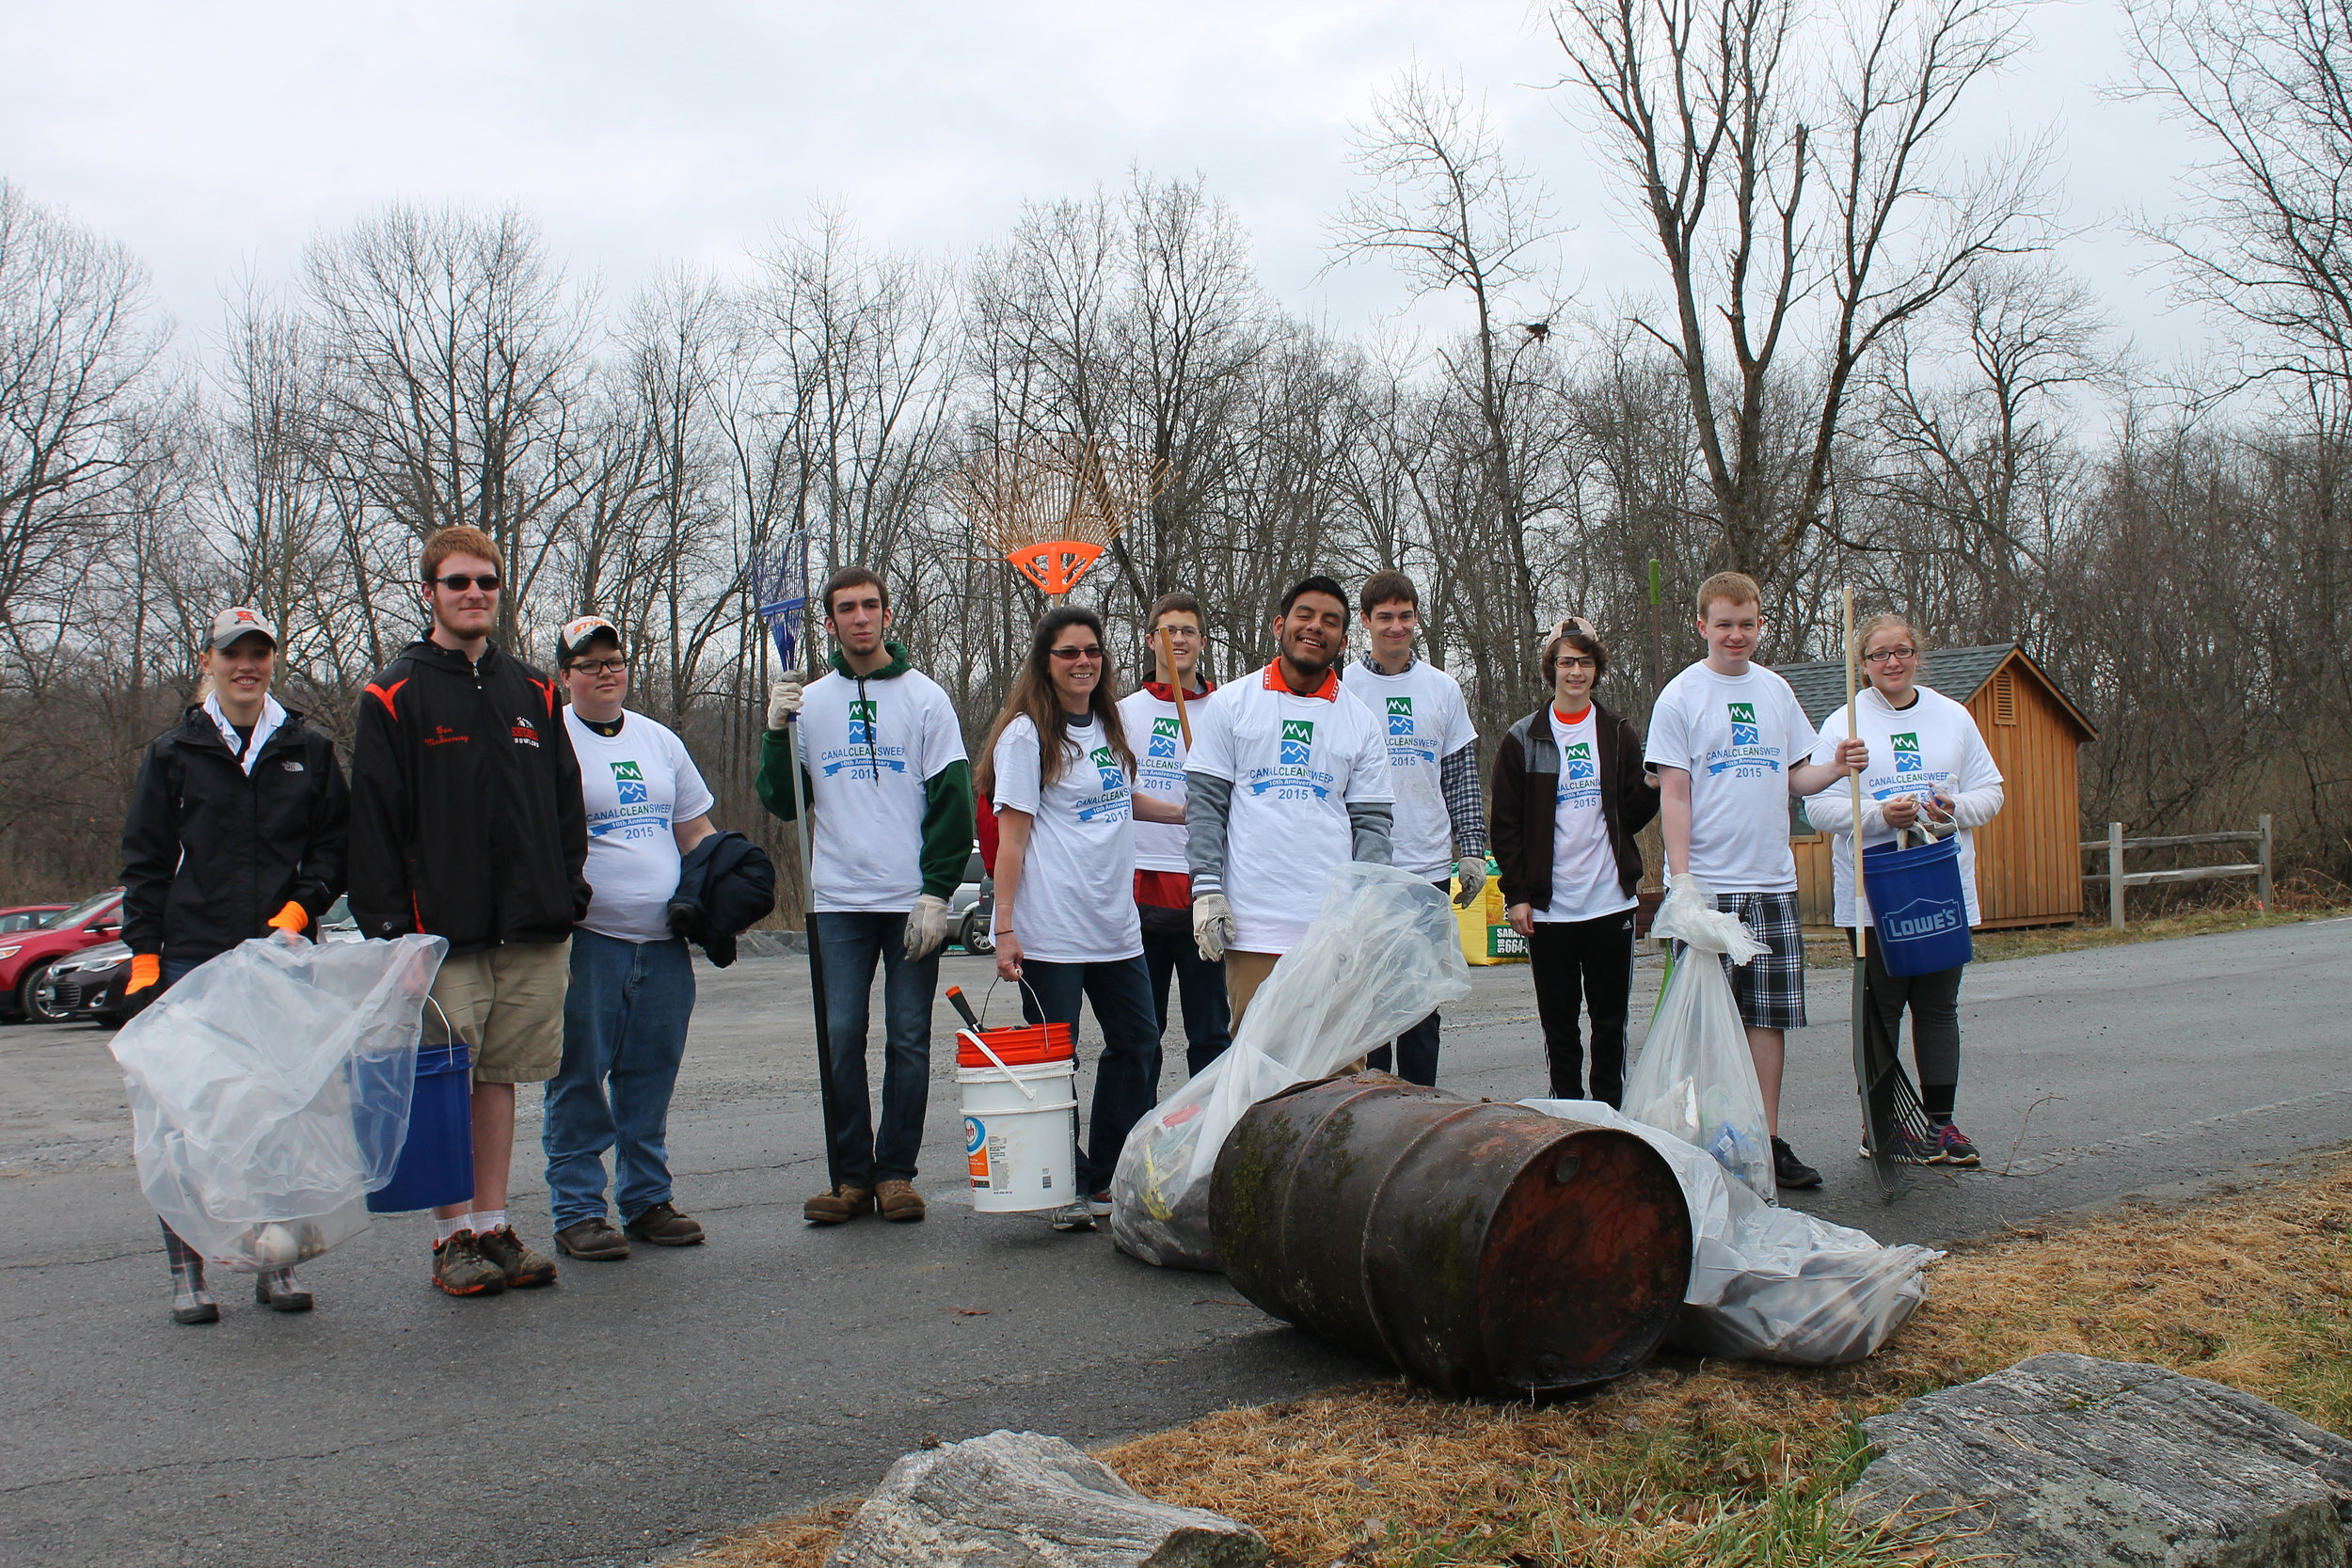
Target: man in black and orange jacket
467 822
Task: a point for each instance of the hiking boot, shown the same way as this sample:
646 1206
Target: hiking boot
459 1268
593 1239
663 1226
278 1291
1789 1171
1099 1204
843 1204
522 1267
1953 1149
1073 1216
898 1200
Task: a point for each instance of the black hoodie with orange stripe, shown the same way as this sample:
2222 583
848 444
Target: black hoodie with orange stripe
466 819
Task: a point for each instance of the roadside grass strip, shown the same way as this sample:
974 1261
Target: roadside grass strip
2292 907
1708 1462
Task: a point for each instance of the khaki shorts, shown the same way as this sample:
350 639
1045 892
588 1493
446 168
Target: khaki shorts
507 1004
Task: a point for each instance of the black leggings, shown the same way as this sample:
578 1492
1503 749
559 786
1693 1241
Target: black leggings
1934 1003
1587 962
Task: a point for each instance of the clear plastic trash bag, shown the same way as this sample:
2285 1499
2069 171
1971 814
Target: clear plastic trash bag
1383 954
1694 1077
269 1092
1766 1283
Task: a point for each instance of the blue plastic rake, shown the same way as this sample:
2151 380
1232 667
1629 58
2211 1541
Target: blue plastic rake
780 577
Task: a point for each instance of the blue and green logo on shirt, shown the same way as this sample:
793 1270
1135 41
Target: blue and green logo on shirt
629 779
1744 731
1298 741
1400 715
862 723
1906 748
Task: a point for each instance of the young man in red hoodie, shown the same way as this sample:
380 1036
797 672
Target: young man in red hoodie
1156 731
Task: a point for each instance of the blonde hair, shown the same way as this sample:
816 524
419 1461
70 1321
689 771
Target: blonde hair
1735 588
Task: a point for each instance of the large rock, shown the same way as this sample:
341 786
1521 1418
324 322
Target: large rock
2064 1459
1015 1499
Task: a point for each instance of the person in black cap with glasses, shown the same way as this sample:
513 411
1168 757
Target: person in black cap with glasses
238 825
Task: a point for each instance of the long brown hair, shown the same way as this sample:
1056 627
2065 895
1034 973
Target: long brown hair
1033 693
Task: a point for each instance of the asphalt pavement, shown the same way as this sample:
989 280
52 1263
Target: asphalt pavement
638 1406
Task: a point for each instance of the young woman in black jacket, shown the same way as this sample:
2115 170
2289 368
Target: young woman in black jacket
1569 793
237 827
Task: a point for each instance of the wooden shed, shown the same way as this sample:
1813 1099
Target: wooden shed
2028 863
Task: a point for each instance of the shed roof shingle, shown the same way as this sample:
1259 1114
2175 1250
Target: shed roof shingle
1959 673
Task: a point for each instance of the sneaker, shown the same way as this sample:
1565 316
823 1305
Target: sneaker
898 1200
1789 1171
1099 1204
280 1291
663 1226
839 1206
1953 1149
1074 1216
593 1239
1906 1148
459 1268
523 1267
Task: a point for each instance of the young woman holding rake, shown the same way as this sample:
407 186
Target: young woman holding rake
1061 776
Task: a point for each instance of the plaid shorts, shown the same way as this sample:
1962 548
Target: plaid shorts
1770 987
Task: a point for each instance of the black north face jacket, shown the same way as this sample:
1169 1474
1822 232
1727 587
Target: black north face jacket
210 852
467 820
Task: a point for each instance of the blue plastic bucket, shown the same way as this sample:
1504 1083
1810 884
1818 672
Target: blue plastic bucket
436 1165
1917 906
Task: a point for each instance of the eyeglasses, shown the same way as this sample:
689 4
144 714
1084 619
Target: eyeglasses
1189 633
1071 655
457 582
599 666
1569 661
1881 656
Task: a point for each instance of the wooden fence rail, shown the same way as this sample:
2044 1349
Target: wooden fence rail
2115 844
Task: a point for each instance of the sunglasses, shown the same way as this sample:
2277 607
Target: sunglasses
599 666
1069 654
457 582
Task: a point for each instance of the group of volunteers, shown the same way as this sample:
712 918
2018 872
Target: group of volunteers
1174 838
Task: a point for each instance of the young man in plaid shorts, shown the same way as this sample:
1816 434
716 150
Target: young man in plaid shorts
1731 745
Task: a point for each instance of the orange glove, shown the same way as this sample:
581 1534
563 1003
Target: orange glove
146 969
291 918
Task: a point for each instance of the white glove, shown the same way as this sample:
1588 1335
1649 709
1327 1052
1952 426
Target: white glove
926 928
1212 925
1470 873
784 700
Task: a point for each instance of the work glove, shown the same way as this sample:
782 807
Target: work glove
1212 925
1469 874
926 928
147 969
293 919
784 700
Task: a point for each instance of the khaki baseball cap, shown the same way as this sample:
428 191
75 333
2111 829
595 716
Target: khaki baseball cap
240 621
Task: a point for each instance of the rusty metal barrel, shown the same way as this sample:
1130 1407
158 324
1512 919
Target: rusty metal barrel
1478 1248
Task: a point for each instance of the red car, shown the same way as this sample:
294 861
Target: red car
25 956
24 917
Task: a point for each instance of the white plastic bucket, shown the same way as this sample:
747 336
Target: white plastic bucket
1023 1151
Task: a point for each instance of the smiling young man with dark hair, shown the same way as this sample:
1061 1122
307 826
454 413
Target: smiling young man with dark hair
1288 780
466 823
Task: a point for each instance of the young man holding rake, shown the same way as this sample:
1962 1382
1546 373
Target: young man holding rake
1731 745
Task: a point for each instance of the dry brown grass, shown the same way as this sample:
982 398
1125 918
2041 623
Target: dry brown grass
1723 1462
2291 906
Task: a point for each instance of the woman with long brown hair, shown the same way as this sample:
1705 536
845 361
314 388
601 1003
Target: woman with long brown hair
1061 775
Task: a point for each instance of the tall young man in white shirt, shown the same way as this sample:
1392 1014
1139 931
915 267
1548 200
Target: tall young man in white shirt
1441 828
1287 780
890 796
1163 876
632 985
1731 745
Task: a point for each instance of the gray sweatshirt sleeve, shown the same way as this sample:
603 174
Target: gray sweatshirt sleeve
1370 821
1208 802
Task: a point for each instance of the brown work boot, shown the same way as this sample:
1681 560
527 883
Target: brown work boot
522 1267
898 1200
459 1268
663 1226
594 1239
843 1203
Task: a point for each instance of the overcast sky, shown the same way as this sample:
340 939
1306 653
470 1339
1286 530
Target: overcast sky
211 138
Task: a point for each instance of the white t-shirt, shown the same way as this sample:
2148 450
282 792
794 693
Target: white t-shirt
1296 763
1933 744
1737 736
638 786
1427 721
1584 882
1158 740
870 747
1076 902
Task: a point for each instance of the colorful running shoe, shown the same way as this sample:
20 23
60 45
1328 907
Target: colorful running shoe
1953 1149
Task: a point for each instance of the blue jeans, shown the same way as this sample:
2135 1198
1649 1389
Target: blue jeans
624 1019
848 945
1120 993
1208 1016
